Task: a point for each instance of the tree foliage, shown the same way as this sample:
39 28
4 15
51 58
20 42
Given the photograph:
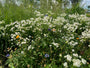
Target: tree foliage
75 1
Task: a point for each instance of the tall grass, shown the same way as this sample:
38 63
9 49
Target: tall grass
12 12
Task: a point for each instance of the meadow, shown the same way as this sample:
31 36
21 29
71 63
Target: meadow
38 38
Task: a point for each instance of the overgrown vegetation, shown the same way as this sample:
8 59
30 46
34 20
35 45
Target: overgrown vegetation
11 12
45 36
76 9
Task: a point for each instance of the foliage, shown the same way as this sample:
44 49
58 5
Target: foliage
88 15
75 9
47 41
60 1
75 1
33 39
11 12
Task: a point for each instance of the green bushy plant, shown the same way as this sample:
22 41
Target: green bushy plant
33 40
11 12
51 42
75 9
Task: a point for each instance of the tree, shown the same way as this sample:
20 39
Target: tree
74 2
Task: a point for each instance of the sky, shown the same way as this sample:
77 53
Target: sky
86 3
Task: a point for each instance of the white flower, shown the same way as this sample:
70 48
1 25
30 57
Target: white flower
86 33
60 55
55 44
79 56
45 35
50 45
76 55
32 47
23 42
84 61
22 52
76 62
72 43
88 45
3 34
68 57
65 64
73 50
29 47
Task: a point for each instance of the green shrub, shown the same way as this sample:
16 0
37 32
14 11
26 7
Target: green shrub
75 9
46 41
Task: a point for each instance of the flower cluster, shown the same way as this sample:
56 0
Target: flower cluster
48 41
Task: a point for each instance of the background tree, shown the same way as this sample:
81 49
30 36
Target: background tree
74 2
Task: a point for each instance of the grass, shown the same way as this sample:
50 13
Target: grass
11 12
88 14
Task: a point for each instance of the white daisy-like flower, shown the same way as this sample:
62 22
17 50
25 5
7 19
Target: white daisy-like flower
29 47
76 55
22 52
60 55
84 61
88 45
73 50
76 62
69 58
65 65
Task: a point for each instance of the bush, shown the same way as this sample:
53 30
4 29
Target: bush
45 41
75 9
